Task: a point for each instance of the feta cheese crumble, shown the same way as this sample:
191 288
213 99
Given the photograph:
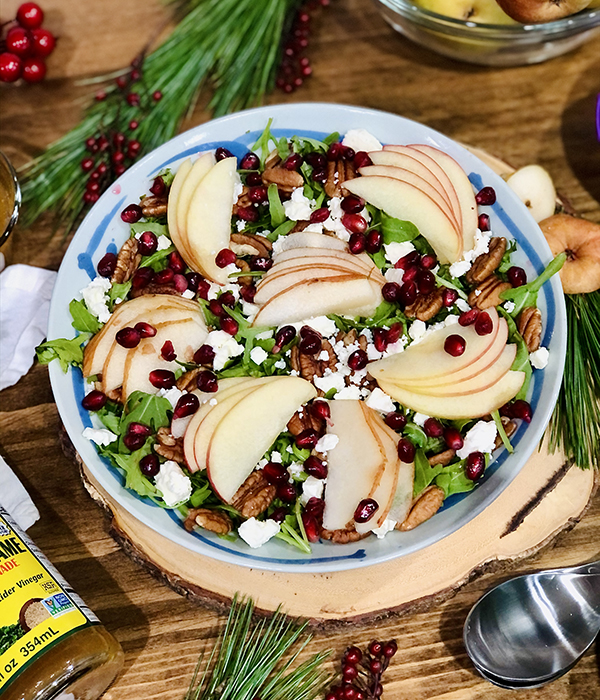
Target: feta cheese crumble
94 296
481 438
188 294
173 484
539 358
323 325
326 443
311 488
225 348
101 436
482 245
396 251
509 306
387 526
298 207
258 355
255 533
163 242
172 395
361 140
417 330
380 401
419 419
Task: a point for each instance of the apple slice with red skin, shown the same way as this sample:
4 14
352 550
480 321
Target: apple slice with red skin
247 431
413 179
472 405
408 203
463 188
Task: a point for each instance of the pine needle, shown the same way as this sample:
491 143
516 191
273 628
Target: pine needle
250 661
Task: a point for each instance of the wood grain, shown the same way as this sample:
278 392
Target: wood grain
542 113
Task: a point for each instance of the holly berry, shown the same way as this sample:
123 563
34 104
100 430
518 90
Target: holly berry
30 15
11 67
34 70
19 41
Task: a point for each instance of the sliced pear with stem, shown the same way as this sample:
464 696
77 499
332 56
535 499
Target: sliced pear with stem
534 187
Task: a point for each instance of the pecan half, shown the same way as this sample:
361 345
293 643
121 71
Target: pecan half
342 536
487 293
509 428
303 420
244 267
154 206
485 264
212 520
350 337
332 360
168 446
115 395
426 307
427 504
242 201
530 327
128 261
187 381
443 458
286 180
262 246
254 496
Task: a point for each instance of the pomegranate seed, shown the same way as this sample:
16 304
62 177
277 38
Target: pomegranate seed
483 222
250 162
521 409
352 204
410 273
286 492
107 265
475 466
186 405
168 351
162 378
483 324
147 243
408 260
426 282
455 345
319 175
283 337
517 276
365 510
506 411
374 242
406 450
321 410
164 276
215 307
310 344
486 196
128 337
225 257
380 338
313 466
311 527
133 441
319 215
193 281
390 649
357 243
396 421
227 299
355 223
253 179
260 264
315 507
203 289
353 656
131 214
433 428
204 355
307 439
293 162
348 153
247 214
142 277
358 360
334 151
230 325
279 514
176 262
394 332
145 329
449 297
274 472
316 160
258 194
391 292
149 466
453 438
158 187
87 164
468 317
139 429
222 153
180 283
428 262
362 159
207 382
408 293
94 401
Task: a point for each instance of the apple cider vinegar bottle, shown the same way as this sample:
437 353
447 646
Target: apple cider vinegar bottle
52 646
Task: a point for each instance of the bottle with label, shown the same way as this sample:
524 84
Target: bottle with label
52 646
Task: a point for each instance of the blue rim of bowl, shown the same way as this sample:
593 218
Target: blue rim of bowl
218 548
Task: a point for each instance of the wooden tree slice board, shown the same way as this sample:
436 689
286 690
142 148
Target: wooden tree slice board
546 498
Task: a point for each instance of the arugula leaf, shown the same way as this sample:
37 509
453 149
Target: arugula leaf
332 138
379 258
521 362
83 319
452 479
118 291
424 472
167 175
282 230
156 260
152 226
506 263
67 352
501 431
290 533
396 230
283 147
526 294
305 143
110 415
451 285
261 146
134 479
415 434
145 408
276 210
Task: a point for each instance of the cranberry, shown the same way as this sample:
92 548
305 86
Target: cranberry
396 421
162 378
320 409
483 222
249 162
247 213
107 265
275 472
433 428
207 382
286 492
307 439
142 277
449 297
253 179
352 204
176 262
310 344
455 345
260 264
358 360
128 337
406 450
428 262
374 242
149 466
355 223
158 187
516 276
468 317
283 336
164 276
215 307
222 153
394 332
362 159
319 215
411 259
168 351
365 510
313 466
147 243
486 196
408 293
225 257
380 339
475 466
34 70
353 656
279 514
145 329
230 325
19 41
131 214
258 194
375 648
311 527
426 282
521 409
30 15
453 438
334 151
357 243
483 324
292 162
227 299
94 401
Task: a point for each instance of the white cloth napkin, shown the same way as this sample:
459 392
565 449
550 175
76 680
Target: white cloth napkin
15 499
25 293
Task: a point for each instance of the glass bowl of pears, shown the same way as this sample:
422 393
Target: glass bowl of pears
495 32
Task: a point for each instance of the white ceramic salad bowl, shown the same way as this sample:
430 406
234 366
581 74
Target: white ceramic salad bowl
104 230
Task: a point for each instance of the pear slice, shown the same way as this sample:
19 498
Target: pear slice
403 495
199 169
408 203
294 276
248 430
172 207
534 187
329 254
311 239
323 261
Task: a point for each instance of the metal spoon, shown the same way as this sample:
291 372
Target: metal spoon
532 629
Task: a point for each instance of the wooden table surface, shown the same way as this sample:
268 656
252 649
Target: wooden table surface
541 113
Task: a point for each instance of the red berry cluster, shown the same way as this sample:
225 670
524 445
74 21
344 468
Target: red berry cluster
295 65
25 46
362 673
